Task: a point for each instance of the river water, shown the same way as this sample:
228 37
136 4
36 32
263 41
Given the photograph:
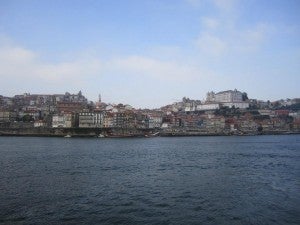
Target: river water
180 180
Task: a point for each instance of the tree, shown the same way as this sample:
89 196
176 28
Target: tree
27 118
260 129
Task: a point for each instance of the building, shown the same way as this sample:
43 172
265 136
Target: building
154 120
282 112
108 120
208 106
214 123
240 105
35 114
225 96
40 123
124 119
7 116
228 99
70 106
65 120
91 119
266 112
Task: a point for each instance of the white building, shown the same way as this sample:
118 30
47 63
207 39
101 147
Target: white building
191 108
228 98
165 125
225 96
211 106
39 123
240 105
266 112
62 120
91 119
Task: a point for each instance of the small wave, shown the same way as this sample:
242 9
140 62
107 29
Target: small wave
162 205
198 208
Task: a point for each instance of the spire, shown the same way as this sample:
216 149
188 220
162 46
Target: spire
99 98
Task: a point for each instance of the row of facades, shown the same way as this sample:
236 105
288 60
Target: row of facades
73 110
107 119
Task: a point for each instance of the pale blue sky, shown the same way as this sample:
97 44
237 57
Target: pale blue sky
152 52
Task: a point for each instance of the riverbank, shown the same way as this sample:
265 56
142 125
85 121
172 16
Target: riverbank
129 132
77 132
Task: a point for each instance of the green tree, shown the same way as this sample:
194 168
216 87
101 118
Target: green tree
27 118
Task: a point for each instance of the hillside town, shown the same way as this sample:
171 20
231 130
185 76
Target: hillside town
228 112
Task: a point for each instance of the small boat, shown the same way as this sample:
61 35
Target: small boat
152 135
155 134
101 136
68 136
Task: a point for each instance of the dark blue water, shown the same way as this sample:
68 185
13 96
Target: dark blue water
187 180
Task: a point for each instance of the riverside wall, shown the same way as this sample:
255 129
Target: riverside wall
125 132
76 132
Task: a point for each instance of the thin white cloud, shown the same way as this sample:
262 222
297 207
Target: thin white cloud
153 68
194 3
19 63
74 72
24 66
223 5
221 33
210 23
210 44
17 54
237 41
226 5
256 35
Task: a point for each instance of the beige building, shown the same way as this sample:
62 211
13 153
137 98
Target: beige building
65 120
108 120
7 116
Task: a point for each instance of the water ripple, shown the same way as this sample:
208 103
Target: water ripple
187 180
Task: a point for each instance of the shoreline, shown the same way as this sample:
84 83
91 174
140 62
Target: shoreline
125 133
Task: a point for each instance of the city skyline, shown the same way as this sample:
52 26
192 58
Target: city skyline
150 53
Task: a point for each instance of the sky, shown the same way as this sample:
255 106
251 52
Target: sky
149 53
